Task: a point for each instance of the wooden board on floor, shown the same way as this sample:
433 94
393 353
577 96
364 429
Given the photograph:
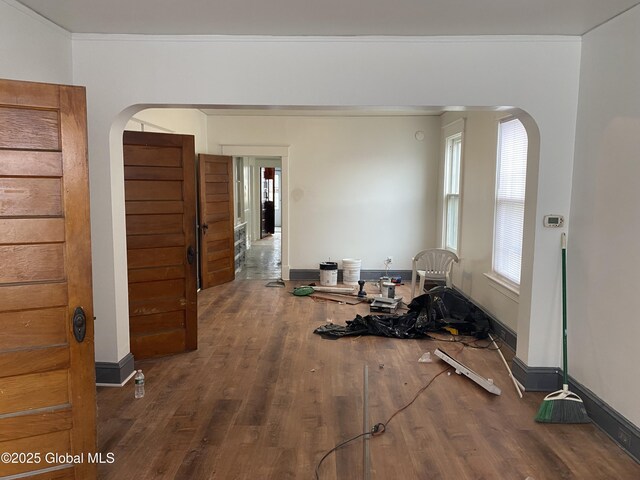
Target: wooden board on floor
336 297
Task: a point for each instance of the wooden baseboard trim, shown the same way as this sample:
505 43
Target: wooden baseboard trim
536 379
115 374
367 275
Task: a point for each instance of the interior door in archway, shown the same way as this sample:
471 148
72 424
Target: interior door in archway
160 204
217 256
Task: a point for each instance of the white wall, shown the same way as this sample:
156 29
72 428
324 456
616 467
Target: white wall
184 121
32 48
360 187
477 214
603 255
538 74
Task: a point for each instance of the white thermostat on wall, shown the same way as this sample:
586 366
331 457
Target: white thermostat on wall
553 220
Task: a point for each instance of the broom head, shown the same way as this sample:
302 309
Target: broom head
562 406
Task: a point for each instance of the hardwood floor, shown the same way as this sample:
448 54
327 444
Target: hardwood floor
263 397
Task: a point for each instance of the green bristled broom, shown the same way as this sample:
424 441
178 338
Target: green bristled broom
563 406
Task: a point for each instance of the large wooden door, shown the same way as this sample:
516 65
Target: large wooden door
47 376
217 264
160 203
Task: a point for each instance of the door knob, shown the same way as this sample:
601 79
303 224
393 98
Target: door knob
191 255
79 324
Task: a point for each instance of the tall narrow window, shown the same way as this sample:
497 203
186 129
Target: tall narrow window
451 202
509 208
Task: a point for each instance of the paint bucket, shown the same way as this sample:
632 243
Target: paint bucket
328 274
351 271
388 290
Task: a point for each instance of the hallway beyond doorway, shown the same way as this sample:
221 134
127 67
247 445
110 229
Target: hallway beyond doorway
263 259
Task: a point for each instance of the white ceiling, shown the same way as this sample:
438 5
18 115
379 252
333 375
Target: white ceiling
330 17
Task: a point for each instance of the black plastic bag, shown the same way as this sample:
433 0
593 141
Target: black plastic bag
439 308
414 324
459 312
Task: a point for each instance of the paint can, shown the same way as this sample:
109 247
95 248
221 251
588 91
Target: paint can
388 290
351 271
328 274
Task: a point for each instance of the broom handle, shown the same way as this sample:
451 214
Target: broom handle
513 379
565 373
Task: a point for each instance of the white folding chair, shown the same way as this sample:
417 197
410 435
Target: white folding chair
433 264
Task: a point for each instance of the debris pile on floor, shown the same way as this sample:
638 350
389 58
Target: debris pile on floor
441 308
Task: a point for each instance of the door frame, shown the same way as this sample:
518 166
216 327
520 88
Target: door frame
281 151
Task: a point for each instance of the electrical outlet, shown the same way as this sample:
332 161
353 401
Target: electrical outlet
624 438
389 260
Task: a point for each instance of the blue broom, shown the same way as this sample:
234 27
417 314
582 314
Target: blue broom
563 406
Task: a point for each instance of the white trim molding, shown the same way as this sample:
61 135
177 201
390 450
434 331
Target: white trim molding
502 285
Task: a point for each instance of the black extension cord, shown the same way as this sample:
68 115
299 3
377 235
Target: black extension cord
378 428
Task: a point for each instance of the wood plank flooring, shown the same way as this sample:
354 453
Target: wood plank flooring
263 397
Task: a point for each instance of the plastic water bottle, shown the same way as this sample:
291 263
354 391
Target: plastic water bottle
139 382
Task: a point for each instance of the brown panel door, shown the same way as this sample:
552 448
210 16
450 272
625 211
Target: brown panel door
47 376
217 254
160 203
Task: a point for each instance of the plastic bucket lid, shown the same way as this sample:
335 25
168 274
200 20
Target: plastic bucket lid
328 266
351 261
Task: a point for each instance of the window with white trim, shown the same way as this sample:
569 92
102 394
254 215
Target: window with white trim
451 201
509 207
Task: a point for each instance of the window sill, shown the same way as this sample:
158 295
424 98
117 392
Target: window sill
504 286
